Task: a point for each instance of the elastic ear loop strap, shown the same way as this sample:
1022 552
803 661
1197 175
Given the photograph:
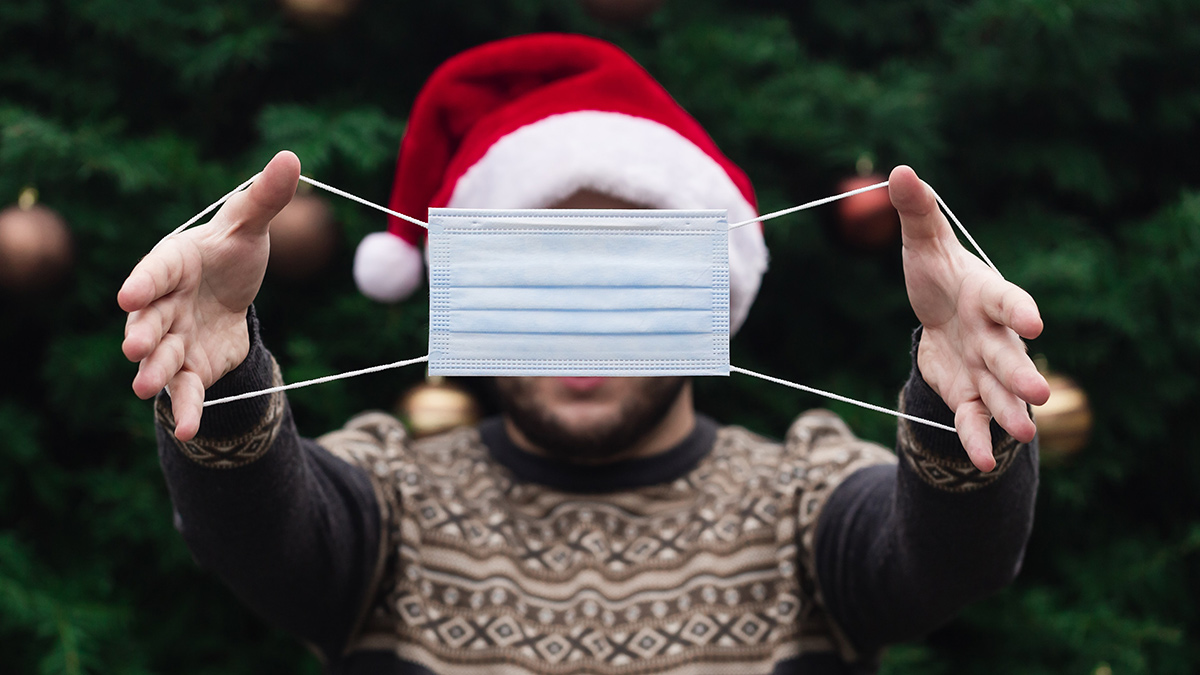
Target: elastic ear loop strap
732 368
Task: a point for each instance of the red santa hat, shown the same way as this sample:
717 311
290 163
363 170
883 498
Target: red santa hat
528 121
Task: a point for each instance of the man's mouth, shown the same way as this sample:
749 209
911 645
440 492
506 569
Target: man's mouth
582 384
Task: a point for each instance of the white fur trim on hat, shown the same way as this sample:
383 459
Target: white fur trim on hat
747 263
387 268
631 158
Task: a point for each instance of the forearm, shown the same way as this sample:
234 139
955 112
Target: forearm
901 549
291 529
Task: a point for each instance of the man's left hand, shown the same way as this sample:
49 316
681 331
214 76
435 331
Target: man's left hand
971 352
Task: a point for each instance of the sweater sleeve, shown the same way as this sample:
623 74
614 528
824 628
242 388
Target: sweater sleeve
900 548
293 530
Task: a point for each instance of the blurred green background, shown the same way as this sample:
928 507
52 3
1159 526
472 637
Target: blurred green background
1063 132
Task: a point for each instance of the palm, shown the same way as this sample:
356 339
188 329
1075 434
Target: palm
188 297
971 351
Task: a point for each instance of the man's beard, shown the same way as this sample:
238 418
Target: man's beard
637 415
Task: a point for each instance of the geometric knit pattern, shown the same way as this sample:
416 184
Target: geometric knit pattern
711 573
229 453
954 472
833 454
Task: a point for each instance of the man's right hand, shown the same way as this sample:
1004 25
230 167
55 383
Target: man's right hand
187 299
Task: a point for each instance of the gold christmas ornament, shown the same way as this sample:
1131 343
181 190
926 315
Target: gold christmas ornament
318 13
35 245
436 406
303 238
1065 422
621 13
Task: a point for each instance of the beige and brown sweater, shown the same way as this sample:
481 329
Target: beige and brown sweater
730 553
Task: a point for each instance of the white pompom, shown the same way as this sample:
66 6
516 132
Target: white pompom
387 268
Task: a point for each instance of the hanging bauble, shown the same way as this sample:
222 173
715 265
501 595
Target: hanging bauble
436 406
303 237
318 13
35 245
1064 422
621 13
867 221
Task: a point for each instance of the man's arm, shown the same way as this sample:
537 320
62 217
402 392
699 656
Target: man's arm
901 548
291 528
294 531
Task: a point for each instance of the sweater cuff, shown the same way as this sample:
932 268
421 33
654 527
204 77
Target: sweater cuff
239 432
936 455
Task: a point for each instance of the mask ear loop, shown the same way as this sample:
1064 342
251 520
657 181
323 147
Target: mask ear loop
360 200
732 368
851 193
843 399
828 394
315 183
808 205
320 380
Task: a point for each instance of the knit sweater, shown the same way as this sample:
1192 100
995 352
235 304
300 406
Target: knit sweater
461 553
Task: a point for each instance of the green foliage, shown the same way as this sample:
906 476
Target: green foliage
1058 130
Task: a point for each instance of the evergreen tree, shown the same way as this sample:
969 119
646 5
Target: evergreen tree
1058 130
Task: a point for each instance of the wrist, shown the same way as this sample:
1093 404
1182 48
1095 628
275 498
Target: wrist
248 372
937 456
257 370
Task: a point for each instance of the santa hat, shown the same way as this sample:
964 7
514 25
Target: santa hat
528 121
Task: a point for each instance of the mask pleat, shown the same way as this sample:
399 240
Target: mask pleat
578 292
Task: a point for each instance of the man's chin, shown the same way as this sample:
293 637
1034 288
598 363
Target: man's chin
597 420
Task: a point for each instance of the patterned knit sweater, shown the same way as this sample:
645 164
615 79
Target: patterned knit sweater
729 553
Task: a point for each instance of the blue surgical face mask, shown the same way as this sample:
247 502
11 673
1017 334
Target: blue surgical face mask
578 292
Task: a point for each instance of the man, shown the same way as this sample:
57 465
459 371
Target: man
600 525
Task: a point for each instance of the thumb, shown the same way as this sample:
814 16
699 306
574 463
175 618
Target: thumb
920 217
253 208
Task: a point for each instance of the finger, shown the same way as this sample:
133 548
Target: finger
1007 361
187 404
1009 305
972 421
253 208
920 217
145 328
1008 410
156 370
156 275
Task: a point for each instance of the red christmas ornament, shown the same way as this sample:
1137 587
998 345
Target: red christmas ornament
35 246
303 238
318 13
867 220
621 13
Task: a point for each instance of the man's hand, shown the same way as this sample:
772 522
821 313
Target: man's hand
187 298
971 351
